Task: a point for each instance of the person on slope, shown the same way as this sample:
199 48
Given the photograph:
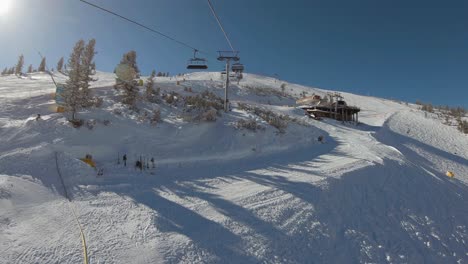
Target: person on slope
320 139
124 158
139 165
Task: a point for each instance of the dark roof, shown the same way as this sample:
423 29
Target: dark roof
330 108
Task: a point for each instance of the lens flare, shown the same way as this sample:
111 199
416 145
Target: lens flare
4 7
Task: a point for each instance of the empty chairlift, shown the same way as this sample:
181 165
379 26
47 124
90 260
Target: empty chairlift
196 63
237 67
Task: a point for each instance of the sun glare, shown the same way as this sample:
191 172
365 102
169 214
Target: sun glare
4 7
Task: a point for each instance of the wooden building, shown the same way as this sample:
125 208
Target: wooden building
338 110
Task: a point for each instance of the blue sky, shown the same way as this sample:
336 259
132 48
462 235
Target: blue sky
393 49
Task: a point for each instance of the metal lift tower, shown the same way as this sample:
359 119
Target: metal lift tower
227 56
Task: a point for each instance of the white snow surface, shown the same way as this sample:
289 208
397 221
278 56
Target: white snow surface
372 193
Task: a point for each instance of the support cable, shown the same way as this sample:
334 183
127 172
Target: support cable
140 25
220 25
47 68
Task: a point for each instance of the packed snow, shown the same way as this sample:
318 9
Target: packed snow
370 193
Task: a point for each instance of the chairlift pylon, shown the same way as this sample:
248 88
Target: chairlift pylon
196 63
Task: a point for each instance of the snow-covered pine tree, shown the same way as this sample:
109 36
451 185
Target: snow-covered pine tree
11 70
126 72
19 65
129 58
5 71
87 70
30 68
60 65
130 90
283 88
42 65
324 100
156 118
463 126
72 94
150 92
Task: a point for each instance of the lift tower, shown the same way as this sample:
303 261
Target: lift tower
227 56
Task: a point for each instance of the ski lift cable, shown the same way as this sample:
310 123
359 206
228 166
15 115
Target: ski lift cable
47 68
220 25
141 25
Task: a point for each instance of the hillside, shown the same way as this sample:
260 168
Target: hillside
376 192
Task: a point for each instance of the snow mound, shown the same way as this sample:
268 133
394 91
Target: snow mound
433 146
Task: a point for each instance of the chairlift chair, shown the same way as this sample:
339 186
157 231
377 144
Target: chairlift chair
232 74
237 67
196 63
228 55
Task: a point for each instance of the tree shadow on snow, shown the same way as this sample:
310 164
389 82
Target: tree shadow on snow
28 107
368 215
207 235
378 211
280 160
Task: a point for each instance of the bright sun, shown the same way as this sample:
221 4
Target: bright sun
4 7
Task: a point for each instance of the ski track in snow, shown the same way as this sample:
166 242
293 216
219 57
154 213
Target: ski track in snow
373 193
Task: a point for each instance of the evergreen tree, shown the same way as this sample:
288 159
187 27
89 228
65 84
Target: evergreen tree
129 58
150 92
463 126
60 65
324 100
283 88
130 90
87 70
72 94
11 70
42 65
128 84
156 118
5 71
30 68
19 65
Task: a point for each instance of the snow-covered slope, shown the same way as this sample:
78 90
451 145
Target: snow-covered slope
374 193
